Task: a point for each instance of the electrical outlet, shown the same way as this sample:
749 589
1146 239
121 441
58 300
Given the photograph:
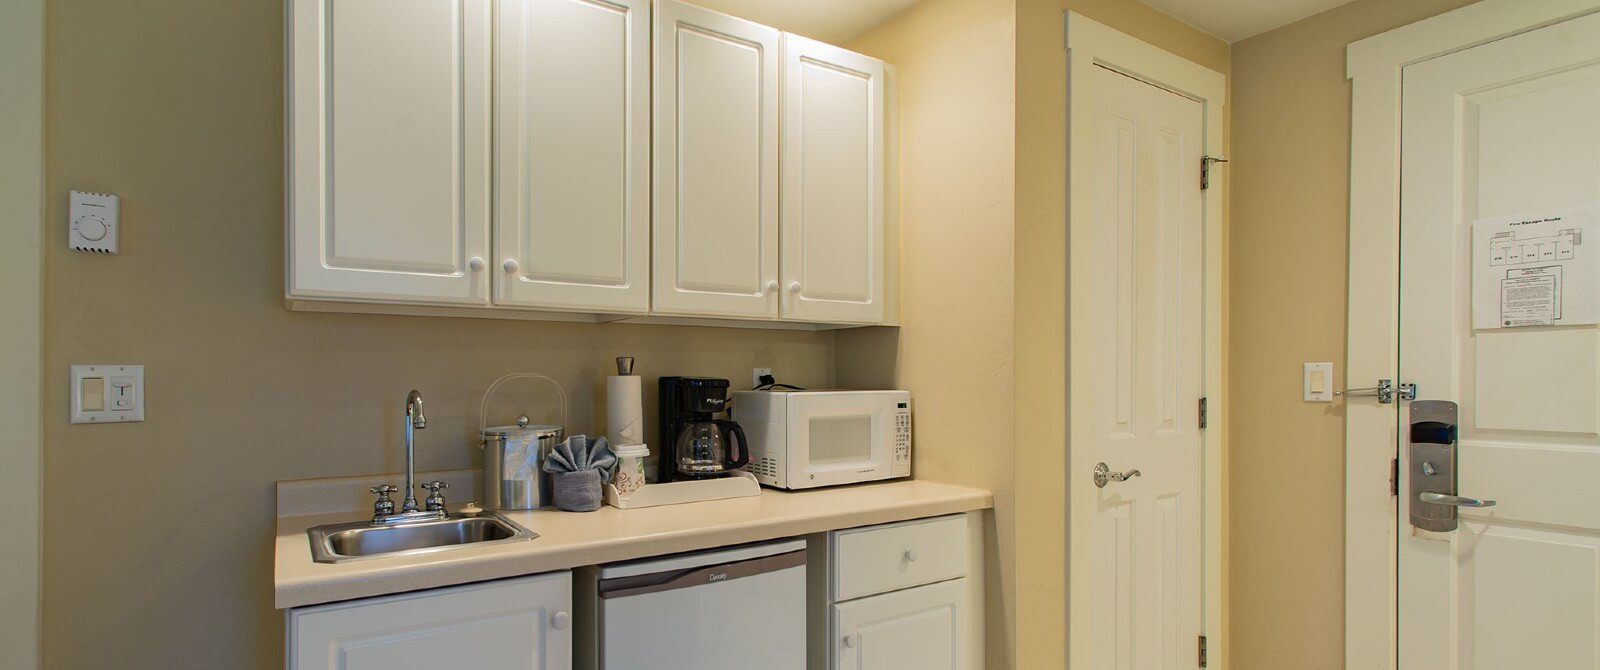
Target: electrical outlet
755 375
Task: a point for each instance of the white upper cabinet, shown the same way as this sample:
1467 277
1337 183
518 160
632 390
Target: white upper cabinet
572 101
833 183
716 164
513 624
388 150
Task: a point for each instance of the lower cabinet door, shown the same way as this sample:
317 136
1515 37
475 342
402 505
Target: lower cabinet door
923 628
511 624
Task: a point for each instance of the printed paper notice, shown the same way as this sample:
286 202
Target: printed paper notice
1534 270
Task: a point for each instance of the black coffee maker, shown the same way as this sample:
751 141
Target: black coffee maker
694 443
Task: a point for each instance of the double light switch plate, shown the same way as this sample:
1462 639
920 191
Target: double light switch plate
107 393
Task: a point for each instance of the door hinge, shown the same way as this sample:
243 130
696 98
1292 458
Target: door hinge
1202 651
1394 476
1202 413
1205 170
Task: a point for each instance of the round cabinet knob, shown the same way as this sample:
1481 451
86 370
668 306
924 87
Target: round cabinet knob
560 620
772 285
510 265
476 263
911 556
794 287
850 641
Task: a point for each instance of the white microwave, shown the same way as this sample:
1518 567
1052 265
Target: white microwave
805 439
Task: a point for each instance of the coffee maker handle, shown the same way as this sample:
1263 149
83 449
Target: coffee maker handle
733 429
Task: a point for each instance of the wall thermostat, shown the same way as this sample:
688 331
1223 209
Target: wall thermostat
92 223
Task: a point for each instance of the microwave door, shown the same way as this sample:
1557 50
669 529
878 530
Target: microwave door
836 441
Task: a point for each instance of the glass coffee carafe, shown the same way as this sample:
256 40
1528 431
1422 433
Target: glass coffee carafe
706 448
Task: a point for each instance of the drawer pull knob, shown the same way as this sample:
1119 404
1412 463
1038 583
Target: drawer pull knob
560 620
850 641
911 556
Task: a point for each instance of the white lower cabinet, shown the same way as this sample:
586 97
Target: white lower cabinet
922 628
513 624
899 596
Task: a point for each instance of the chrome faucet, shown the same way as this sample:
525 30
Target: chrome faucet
415 421
383 511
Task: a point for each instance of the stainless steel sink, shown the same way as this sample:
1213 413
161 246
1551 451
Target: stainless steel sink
337 543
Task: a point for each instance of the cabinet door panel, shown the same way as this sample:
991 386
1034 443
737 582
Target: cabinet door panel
833 183
389 147
916 629
572 85
716 164
504 625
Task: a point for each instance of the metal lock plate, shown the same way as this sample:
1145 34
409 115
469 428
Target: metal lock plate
1432 444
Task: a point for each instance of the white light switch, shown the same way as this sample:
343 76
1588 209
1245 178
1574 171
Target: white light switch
1319 382
107 393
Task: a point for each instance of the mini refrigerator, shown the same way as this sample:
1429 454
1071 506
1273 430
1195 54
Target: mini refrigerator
734 608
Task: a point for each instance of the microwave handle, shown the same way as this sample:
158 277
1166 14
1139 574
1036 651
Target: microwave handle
731 429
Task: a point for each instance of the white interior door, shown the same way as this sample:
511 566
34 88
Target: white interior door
389 150
715 166
1145 535
572 84
832 222
1508 128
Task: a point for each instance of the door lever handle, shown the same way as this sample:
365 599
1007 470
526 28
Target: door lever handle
1103 474
1453 501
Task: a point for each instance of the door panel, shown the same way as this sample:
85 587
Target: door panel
1506 128
716 164
502 625
1147 535
922 628
572 83
372 218
832 223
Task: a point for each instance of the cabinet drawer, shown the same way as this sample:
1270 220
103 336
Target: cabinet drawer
876 559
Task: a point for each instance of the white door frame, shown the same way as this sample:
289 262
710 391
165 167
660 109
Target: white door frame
21 352
1092 44
1372 345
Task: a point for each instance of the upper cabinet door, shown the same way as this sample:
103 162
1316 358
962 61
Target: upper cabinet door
716 164
572 91
388 150
833 190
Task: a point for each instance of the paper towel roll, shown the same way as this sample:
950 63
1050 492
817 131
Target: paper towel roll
625 409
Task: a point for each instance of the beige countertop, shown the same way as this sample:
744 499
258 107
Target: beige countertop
568 540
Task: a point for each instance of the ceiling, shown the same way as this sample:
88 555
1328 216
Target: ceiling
835 21
1234 20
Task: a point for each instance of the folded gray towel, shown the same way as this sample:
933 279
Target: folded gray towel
578 467
577 491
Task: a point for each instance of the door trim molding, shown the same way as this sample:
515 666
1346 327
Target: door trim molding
1091 44
1373 66
22 31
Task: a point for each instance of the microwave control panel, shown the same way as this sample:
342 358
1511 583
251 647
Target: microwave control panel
902 438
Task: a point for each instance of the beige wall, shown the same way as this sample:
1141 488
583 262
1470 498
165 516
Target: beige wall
983 88
21 167
1041 281
1291 115
177 107
953 350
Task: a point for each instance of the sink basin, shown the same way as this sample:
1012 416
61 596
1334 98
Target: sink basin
337 543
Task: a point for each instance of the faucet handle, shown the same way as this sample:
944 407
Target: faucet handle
435 501
383 506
